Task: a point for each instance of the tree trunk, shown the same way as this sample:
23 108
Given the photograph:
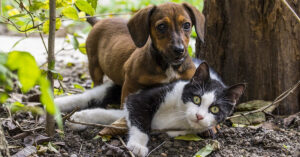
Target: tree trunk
50 122
257 42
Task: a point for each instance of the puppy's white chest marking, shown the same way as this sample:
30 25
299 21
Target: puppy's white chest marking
171 75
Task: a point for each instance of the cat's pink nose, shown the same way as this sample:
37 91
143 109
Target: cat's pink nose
199 117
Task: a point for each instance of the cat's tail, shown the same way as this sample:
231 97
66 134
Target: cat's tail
100 96
97 116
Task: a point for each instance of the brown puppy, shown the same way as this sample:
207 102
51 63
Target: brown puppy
148 50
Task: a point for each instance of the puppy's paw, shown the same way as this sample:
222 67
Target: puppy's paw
138 149
77 117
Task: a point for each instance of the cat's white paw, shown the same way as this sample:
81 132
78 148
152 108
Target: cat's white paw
77 117
137 149
176 133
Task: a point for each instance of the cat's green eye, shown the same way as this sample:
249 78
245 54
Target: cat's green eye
214 109
197 100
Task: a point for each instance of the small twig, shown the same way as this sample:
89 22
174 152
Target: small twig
42 38
97 125
108 14
33 129
155 148
246 118
291 9
66 117
275 102
80 149
123 143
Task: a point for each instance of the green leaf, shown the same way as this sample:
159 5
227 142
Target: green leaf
46 25
77 86
47 100
82 48
28 71
16 16
194 34
106 138
189 137
3 58
85 7
75 42
93 3
204 151
58 91
46 96
35 110
52 148
57 75
190 51
3 97
70 12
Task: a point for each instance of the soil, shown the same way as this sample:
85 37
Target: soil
277 137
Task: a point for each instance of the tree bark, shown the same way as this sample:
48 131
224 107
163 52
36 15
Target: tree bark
257 42
50 122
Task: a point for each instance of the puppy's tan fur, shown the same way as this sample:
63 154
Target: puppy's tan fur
135 55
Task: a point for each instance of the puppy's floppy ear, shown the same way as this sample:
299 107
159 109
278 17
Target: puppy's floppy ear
139 26
198 19
202 73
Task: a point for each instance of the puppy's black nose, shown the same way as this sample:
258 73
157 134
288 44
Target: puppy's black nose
179 49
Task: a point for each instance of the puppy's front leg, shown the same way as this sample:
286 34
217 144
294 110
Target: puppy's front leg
137 142
127 89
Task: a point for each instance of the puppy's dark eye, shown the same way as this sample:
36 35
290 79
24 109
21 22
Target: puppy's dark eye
161 27
186 26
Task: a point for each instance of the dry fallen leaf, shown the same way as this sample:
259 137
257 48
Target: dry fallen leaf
113 131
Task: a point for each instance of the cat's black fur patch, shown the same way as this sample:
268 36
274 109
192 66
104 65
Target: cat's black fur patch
143 105
112 96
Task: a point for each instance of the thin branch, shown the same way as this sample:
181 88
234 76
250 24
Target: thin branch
97 125
43 41
123 143
66 117
291 9
155 148
274 103
17 27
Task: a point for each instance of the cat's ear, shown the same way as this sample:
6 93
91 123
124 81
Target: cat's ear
202 73
235 92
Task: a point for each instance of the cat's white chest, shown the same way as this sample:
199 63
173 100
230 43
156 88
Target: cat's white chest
171 112
171 75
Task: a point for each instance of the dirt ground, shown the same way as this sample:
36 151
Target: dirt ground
277 137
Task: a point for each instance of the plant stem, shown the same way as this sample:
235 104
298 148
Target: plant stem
50 122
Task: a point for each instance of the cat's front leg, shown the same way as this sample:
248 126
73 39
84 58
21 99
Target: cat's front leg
137 142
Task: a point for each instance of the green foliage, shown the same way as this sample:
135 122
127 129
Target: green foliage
17 106
78 86
189 137
70 12
204 151
28 71
85 7
47 23
29 75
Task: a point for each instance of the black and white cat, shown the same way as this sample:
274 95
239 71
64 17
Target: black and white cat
194 105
